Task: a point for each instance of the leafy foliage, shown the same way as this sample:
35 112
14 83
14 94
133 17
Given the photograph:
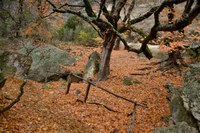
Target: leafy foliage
76 30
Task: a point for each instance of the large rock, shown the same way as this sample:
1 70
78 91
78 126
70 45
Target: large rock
191 91
47 62
15 64
182 127
178 111
185 104
92 66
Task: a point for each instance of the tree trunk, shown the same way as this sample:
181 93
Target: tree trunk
117 45
104 69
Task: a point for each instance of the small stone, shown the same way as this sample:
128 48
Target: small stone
77 92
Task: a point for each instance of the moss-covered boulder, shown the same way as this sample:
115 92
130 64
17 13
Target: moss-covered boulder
185 104
47 62
92 66
15 64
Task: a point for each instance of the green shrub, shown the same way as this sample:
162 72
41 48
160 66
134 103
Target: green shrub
70 30
86 36
77 31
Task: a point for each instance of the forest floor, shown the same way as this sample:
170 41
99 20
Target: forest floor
45 108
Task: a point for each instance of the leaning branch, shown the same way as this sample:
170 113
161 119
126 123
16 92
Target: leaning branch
130 9
145 16
118 96
70 5
16 100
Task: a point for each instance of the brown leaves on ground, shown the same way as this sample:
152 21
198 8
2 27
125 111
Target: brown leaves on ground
46 108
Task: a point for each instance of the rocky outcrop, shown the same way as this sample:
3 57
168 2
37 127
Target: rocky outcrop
178 111
191 92
92 66
185 104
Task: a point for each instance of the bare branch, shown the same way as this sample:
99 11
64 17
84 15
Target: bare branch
130 9
51 3
88 9
166 3
145 16
70 5
188 7
106 13
118 8
16 100
113 6
178 25
102 5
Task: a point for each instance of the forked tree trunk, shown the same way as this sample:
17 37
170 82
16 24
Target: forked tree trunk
104 69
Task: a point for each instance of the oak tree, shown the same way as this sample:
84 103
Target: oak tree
110 24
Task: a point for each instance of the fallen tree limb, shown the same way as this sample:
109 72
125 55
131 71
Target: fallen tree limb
130 127
108 108
116 95
16 100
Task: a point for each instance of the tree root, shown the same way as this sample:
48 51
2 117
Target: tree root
170 63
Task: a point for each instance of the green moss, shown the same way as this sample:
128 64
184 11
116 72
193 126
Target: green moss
128 81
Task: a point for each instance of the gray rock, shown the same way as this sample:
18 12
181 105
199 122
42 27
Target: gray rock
177 109
185 102
15 64
191 92
92 66
47 62
181 127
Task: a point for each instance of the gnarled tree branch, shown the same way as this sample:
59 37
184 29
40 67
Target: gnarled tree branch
16 100
179 24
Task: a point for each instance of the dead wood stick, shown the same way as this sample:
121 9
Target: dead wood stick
68 84
130 128
108 108
87 91
16 100
116 95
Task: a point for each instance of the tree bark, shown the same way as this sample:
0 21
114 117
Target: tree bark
104 69
117 45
